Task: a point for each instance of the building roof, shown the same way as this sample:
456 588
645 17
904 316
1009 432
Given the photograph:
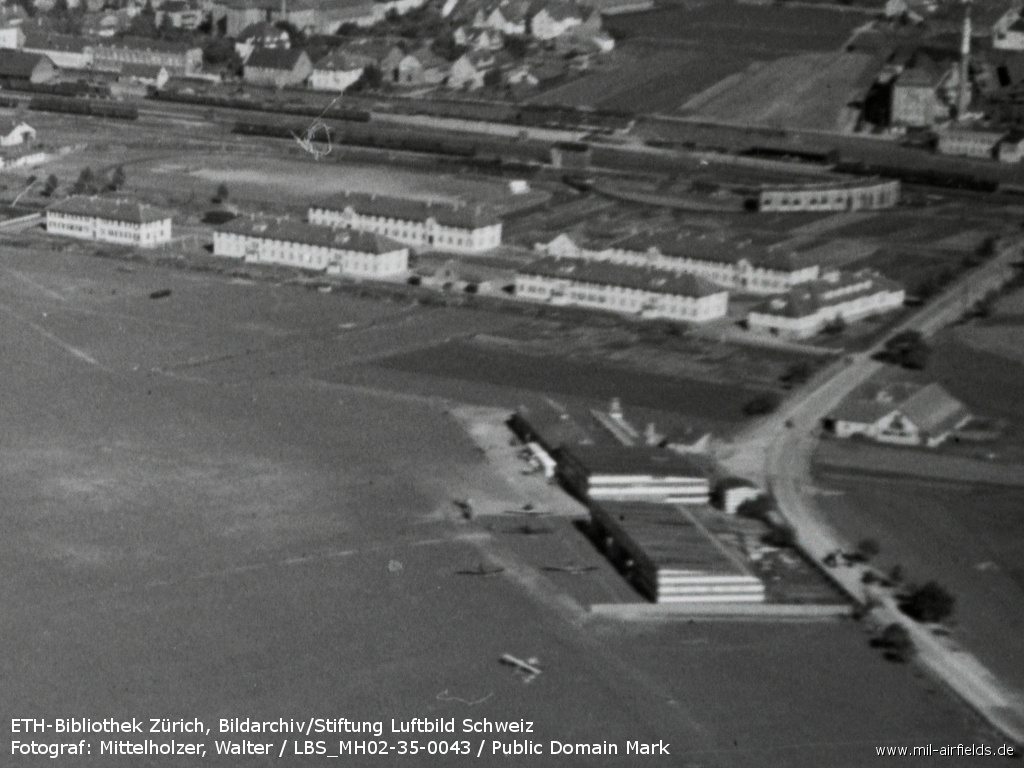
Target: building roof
312 234
341 60
459 214
719 251
933 410
19 63
275 58
614 459
145 44
808 298
860 411
111 210
142 71
605 273
553 427
51 41
261 30
668 537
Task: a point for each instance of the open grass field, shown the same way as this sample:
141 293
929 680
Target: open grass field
197 524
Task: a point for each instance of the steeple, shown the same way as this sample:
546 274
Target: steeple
963 96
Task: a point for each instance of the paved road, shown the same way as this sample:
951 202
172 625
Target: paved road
780 457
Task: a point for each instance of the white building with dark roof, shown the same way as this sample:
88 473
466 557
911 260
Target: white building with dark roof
458 227
737 266
338 71
311 246
109 221
902 414
650 293
806 309
179 58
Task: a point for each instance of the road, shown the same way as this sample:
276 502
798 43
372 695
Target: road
780 457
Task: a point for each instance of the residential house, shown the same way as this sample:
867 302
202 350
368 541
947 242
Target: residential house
649 293
1008 31
421 67
150 75
180 14
21 133
456 227
1011 148
554 19
25 67
65 51
277 67
806 309
11 33
338 71
313 247
915 95
260 35
109 221
901 414
468 71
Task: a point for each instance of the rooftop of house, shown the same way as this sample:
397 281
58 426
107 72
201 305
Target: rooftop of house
930 407
451 214
142 71
19 64
145 44
808 298
109 209
51 41
283 59
312 234
341 60
605 273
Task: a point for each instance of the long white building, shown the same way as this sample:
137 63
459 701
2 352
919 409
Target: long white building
423 224
650 293
109 221
736 266
808 308
311 246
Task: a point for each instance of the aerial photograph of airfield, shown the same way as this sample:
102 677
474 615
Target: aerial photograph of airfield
524 382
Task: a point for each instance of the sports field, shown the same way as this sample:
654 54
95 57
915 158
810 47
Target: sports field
197 524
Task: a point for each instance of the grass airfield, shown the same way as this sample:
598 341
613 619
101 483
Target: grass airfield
195 525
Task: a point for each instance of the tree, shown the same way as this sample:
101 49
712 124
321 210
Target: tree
797 373
117 179
52 182
908 349
757 508
834 327
492 78
222 193
930 603
780 536
896 641
868 548
85 184
761 404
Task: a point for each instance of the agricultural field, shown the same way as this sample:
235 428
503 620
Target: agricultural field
812 91
198 523
679 50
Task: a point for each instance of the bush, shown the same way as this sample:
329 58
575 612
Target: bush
930 603
780 536
907 349
762 404
757 508
896 641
